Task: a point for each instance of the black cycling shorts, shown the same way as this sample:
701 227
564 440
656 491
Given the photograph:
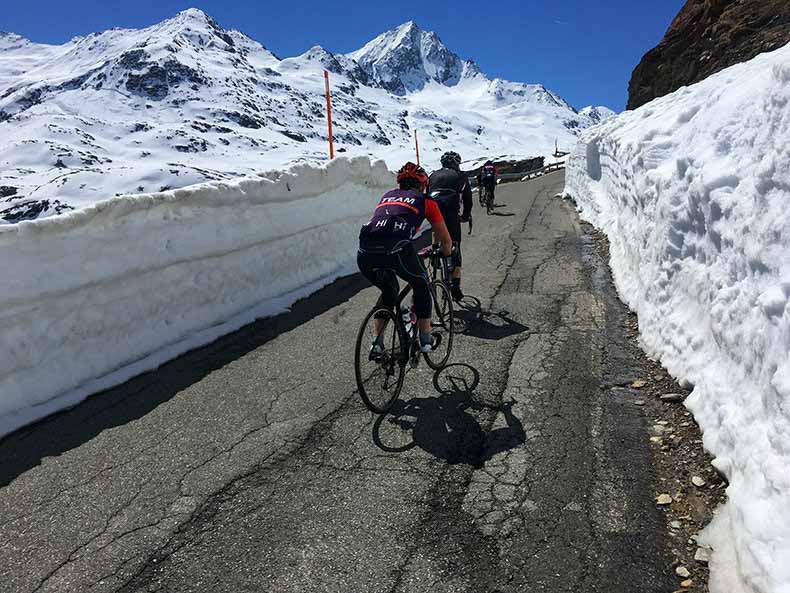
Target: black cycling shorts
456 256
382 268
453 221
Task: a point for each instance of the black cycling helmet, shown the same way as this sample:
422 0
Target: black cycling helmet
489 162
451 160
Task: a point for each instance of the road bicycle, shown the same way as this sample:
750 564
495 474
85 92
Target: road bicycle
487 198
380 376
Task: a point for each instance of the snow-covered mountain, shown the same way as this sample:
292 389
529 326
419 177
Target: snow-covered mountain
184 101
597 113
407 58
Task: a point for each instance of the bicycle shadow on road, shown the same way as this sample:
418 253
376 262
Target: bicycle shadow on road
444 426
471 320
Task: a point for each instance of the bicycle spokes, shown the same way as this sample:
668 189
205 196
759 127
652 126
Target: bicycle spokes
441 325
379 375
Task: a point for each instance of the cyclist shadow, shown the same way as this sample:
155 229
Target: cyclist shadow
444 426
472 320
495 213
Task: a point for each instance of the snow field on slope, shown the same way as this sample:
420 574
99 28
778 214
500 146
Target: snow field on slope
184 101
693 191
96 296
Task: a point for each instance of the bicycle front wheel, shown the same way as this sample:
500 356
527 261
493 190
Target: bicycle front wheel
441 326
380 375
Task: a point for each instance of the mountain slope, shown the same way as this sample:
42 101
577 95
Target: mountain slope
185 101
407 58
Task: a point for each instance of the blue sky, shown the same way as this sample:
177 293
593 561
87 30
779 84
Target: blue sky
583 49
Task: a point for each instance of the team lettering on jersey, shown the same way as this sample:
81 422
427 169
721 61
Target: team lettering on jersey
398 215
400 199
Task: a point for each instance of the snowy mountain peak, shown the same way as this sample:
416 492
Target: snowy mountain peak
406 58
193 13
192 16
471 69
11 40
184 101
596 113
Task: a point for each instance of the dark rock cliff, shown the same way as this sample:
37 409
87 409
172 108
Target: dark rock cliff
705 37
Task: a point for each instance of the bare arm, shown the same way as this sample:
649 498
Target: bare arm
442 235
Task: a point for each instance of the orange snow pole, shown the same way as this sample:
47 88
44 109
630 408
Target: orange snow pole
329 116
417 147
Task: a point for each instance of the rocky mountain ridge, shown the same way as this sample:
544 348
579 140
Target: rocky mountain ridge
184 101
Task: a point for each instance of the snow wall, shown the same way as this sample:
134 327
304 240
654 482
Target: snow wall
693 191
94 297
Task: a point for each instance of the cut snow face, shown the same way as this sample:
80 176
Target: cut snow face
184 101
126 284
693 191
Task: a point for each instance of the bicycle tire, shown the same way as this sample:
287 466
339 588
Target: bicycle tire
444 315
396 359
488 200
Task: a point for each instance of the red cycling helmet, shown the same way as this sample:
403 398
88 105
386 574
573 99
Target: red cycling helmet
412 171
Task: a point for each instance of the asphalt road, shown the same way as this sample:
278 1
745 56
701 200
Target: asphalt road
252 465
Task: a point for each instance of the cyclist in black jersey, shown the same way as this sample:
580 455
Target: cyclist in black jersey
488 178
386 251
450 188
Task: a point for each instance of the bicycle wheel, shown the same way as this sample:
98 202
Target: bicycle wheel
380 377
442 325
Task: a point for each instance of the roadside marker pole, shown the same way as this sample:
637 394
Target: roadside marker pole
417 147
329 116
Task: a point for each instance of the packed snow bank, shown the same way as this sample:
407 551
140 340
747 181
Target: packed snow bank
693 190
93 297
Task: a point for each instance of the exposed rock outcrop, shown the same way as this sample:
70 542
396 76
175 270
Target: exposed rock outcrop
705 37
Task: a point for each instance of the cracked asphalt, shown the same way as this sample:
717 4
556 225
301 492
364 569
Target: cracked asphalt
252 465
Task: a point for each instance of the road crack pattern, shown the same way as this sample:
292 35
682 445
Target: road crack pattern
506 472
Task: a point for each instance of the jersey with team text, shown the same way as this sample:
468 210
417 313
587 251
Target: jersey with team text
398 216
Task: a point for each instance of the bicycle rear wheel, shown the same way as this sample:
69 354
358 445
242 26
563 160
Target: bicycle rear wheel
380 377
442 325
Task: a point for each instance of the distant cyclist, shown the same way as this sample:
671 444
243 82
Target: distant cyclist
386 250
488 178
450 188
